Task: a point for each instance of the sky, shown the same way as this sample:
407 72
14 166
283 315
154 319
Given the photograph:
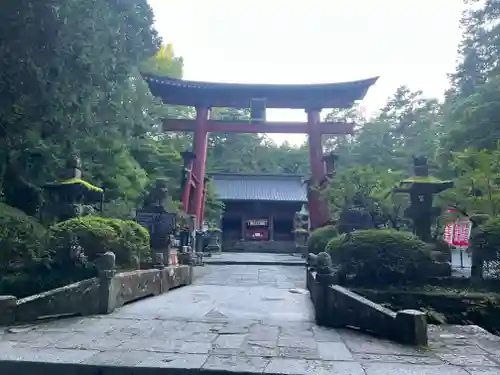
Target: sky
404 42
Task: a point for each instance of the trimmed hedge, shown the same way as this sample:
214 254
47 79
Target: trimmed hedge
486 242
382 257
319 238
22 238
95 235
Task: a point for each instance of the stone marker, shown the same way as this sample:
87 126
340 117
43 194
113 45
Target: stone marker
411 327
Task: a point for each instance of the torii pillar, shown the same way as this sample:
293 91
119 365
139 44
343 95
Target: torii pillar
318 213
200 138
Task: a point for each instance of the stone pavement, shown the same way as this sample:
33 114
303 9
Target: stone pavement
239 318
255 259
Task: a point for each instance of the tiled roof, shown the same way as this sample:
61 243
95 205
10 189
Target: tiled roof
259 187
239 95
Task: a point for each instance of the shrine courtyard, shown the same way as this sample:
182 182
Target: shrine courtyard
239 318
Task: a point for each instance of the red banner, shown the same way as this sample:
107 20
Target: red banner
457 233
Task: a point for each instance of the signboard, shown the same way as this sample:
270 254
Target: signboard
256 223
457 233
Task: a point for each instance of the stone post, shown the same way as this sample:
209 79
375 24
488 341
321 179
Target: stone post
411 327
106 266
7 310
321 289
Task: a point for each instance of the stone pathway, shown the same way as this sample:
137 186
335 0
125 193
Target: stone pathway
255 259
240 318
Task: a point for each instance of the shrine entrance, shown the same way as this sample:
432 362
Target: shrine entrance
258 97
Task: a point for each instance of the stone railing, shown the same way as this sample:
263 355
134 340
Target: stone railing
99 295
336 306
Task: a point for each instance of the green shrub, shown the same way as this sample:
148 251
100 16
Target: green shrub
377 256
22 238
133 242
319 238
486 242
96 235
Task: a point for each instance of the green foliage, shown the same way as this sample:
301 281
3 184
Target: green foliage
22 238
319 238
477 182
373 187
27 266
96 235
486 241
381 256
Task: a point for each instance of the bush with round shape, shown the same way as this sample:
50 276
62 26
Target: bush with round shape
22 238
133 242
95 235
319 238
486 242
380 256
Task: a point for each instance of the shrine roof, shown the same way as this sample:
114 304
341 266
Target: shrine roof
259 187
239 95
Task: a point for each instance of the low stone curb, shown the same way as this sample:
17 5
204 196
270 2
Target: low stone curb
46 368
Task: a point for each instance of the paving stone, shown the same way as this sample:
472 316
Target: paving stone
194 347
388 358
491 346
81 340
404 369
260 332
117 358
236 363
200 336
363 343
308 367
325 334
39 339
260 348
334 351
6 345
301 352
453 348
297 342
142 327
150 345
228 344
466 359
49 355
234 329
200 327
483 370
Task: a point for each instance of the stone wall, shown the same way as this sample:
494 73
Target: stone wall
443 306
100 295
336 306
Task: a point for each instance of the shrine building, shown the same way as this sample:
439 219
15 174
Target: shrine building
259 209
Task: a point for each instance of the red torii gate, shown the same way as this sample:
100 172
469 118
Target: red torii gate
205 95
